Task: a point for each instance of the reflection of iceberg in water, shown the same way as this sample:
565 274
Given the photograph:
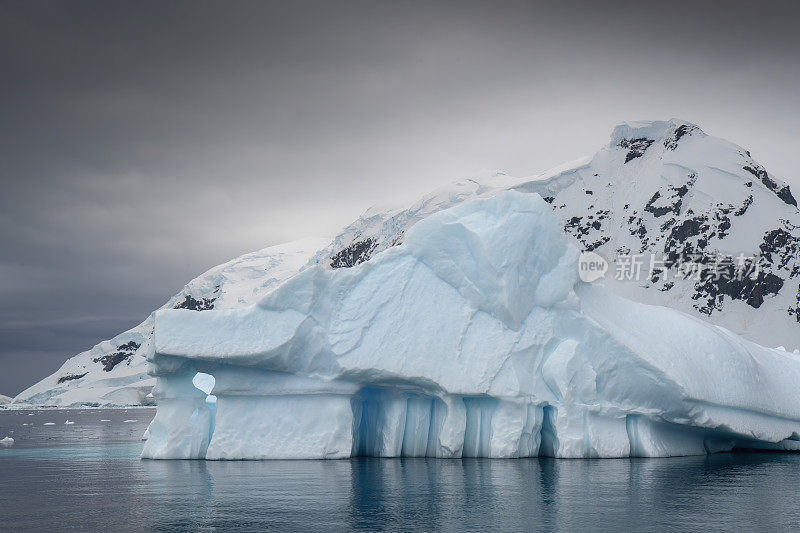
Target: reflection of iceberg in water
473 338
473 494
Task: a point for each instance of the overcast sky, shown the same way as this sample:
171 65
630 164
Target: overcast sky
143 142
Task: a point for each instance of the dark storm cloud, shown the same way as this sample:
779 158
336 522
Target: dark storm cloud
143 142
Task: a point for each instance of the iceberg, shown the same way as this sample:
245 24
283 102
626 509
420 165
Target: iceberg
474 337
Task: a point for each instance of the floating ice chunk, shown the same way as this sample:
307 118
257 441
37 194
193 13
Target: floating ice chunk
49 424
69 423
129 421
105 420
7 441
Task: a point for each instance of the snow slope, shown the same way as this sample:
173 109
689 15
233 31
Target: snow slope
115 371
5 399
474 337
662 188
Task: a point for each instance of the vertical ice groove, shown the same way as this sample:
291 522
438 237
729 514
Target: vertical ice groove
549 439
436 418
418 423
478 428
486 430
631 426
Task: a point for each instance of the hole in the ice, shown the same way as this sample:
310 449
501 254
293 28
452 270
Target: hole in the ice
205 382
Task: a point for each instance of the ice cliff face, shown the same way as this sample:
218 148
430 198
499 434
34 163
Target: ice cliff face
663 188
473 337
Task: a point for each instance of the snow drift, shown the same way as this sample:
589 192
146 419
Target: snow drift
474 337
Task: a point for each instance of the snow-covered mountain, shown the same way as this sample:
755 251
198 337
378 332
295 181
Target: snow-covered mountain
114 372
5 400
664 190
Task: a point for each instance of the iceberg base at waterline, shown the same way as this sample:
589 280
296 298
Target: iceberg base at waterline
473 338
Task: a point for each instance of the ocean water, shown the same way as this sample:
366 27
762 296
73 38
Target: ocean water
88 476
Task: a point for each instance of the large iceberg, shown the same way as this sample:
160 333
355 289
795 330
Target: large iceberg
472 338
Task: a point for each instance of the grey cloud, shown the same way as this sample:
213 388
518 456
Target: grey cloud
144 142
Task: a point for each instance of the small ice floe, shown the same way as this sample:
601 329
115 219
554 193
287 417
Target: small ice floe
26 424
6 441
129 421
31 414
49 424
105 420
149 400
68 423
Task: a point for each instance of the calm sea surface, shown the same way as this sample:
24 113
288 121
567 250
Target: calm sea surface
88 475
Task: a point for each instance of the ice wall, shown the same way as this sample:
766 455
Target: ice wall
473 338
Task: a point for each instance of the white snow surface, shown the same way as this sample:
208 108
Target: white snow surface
474 337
